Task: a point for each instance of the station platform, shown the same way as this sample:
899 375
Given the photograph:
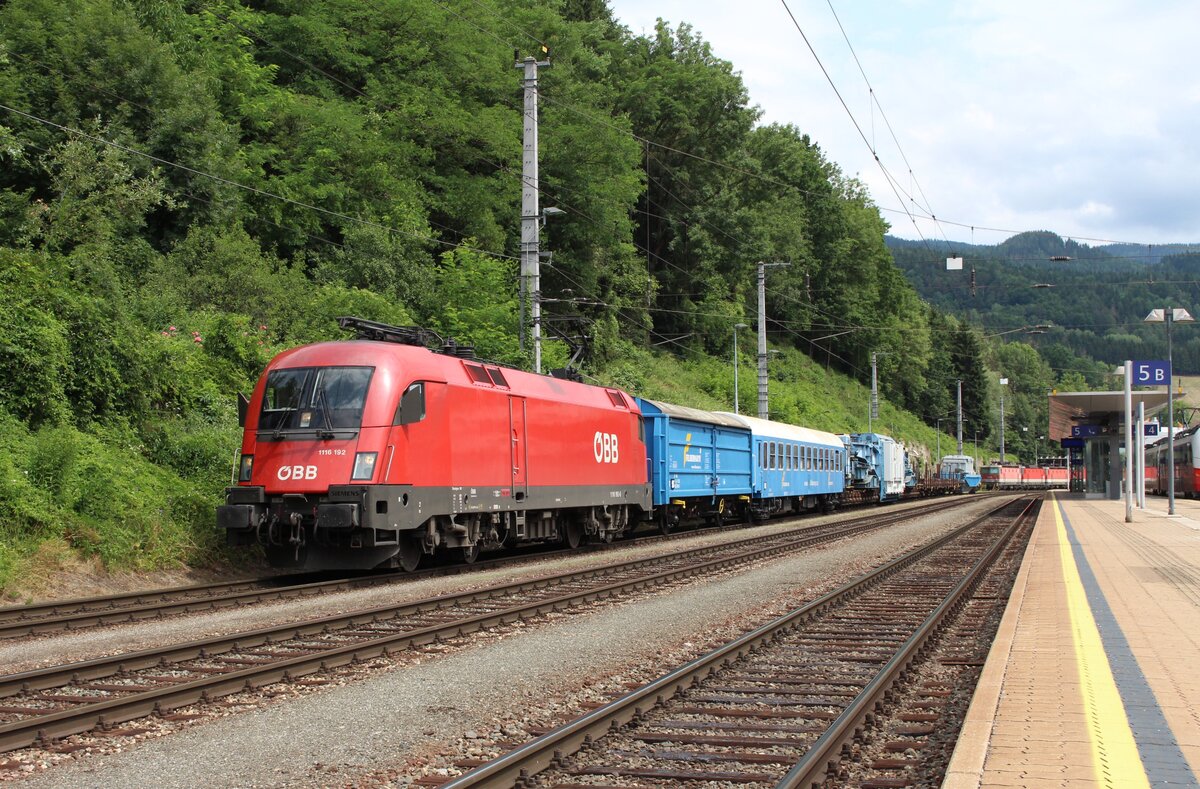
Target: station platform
1094 677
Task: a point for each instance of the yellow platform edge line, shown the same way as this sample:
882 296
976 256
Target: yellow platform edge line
1115 757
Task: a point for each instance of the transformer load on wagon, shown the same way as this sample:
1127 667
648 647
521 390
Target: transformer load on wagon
960 468
876 463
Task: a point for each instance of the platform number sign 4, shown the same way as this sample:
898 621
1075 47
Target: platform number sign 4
1152 373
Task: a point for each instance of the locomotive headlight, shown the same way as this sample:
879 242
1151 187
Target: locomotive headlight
364 465
246 467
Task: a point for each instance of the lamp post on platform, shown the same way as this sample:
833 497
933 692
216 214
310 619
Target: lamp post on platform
1169 315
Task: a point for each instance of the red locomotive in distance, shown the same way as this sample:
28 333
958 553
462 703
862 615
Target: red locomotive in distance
376 451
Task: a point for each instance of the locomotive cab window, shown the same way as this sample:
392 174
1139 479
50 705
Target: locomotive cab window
318 399
412 405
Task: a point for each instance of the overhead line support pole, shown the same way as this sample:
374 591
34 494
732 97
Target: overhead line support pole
762 336
530 214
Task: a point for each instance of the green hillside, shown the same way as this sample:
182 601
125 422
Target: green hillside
189 188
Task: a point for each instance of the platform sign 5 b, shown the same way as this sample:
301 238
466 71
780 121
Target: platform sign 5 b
1152 373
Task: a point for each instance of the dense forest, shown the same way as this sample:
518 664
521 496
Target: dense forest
1082 301
189 187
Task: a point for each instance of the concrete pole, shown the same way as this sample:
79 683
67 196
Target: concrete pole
1002 420
1129 450
1141 455
762 336
762 340
960 417
735 369
1168 314
530 219
874 406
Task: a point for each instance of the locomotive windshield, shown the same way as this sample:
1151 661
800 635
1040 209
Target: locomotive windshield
320 399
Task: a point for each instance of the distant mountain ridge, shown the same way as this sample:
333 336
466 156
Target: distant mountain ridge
1040 246
1094 297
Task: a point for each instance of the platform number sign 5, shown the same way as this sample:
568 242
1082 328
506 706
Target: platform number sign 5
604 447
1152 373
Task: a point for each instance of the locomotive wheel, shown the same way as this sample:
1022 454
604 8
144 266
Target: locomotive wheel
410 552
572 534
467 554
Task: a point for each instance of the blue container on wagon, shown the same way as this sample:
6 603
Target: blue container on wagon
694 454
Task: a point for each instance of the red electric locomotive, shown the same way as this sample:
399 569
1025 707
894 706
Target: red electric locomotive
376 451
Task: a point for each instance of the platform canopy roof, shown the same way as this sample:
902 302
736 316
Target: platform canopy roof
1073 408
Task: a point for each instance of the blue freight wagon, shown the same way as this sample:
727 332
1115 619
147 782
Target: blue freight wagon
699 464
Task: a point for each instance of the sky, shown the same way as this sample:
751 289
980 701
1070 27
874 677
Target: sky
1082 118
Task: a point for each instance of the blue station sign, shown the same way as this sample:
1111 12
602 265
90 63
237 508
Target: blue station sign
1152 373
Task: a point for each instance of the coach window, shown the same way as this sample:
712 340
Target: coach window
762 455
412 405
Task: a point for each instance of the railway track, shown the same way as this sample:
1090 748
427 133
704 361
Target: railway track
786 704
42 705
82 613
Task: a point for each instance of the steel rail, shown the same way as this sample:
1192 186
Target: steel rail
515 767
824 755
59 723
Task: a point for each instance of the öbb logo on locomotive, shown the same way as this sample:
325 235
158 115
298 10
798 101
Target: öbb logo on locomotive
604 447
296 472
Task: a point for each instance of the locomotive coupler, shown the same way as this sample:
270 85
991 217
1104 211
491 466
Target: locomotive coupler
297 536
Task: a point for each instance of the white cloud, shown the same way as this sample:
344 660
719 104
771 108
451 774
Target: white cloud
1071 116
